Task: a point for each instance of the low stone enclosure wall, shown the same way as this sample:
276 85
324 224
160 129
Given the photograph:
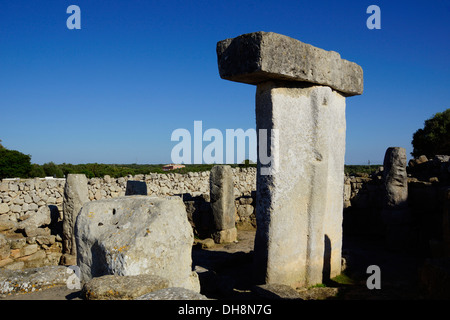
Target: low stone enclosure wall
31 210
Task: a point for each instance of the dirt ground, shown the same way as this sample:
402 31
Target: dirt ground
226 273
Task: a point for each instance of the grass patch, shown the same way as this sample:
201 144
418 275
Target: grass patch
342 280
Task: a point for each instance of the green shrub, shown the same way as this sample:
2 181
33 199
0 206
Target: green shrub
434 138
52 170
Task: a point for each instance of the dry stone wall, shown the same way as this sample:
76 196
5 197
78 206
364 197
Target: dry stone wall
40 202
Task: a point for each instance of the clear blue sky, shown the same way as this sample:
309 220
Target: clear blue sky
114 91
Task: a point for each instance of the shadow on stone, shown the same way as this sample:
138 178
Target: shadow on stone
136 188
326 269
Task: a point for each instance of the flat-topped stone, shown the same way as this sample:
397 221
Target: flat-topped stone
114 287
256 57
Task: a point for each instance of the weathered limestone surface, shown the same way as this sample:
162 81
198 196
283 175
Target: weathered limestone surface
173 293
31 210
134 235
39 219
136 188
299 206
222 203
261 56
396 214
75 194
446 223
276 291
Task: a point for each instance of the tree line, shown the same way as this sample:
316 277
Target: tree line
431 140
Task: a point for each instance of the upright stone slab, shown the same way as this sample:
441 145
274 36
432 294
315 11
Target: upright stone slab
222 203
300 104
75 195
395 213
134 235
135 188
395 178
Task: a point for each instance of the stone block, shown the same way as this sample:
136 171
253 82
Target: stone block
34 260
5 262
136 188
4 186
173 294
276 291
15 253
16 265
33 232
113 287
245 211
46 239
6 224
395 178
68 260
41 218
257 57
134 235
27 280
434 278
4 247
222 197
29 249
16 208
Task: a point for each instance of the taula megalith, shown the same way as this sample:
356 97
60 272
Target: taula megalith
300 104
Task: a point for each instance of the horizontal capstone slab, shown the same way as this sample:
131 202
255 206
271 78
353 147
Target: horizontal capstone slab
256 57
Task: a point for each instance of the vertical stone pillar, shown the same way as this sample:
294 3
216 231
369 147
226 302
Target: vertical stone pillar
300 102
75 194
395 213
222 203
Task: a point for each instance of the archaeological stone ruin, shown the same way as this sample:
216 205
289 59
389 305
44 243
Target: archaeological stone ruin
135 235
222 204
270 232
300 100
